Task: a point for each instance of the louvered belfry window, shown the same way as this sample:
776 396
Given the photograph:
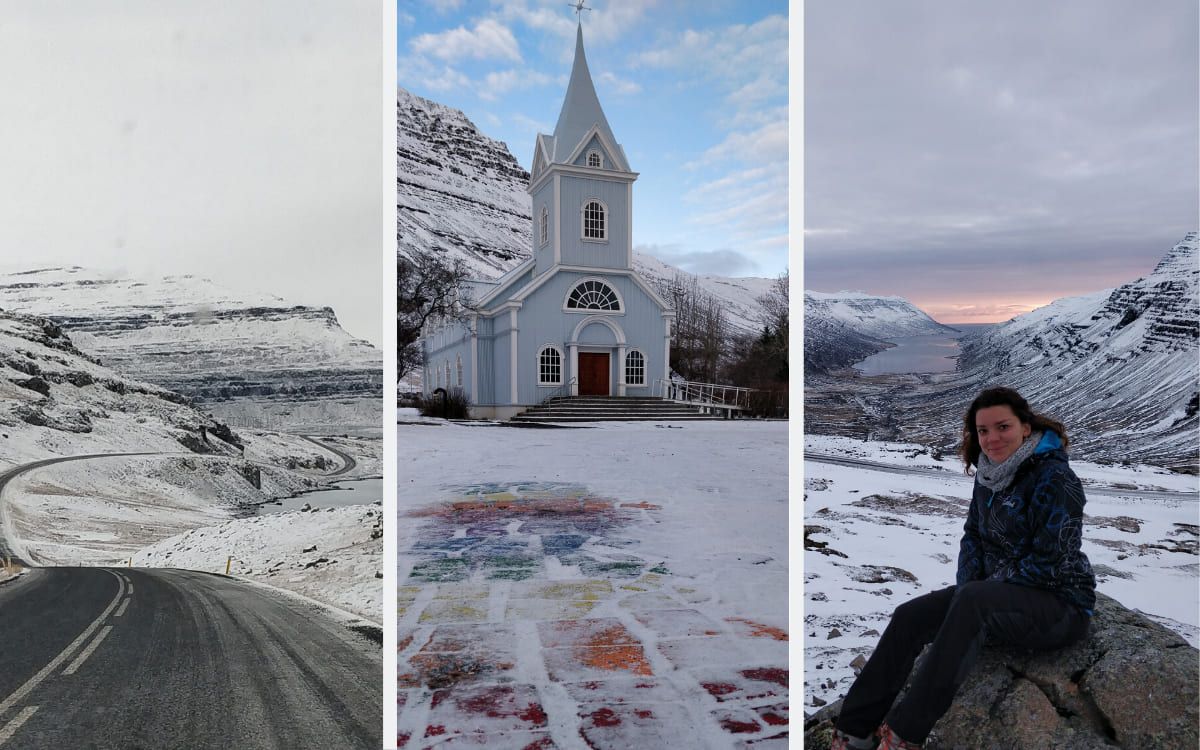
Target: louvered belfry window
593 221
593 294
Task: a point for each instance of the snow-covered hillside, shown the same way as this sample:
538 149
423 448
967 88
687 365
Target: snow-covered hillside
1121 364
251 359
458 191
461 193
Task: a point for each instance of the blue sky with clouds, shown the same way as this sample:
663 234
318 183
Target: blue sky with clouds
696 93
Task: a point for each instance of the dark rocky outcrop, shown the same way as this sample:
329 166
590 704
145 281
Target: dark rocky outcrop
1130 683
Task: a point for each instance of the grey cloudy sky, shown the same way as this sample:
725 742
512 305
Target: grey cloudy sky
241 141
983 158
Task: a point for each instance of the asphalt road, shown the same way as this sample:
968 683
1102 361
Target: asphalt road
348 462
137 659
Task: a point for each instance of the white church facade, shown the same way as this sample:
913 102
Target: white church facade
575 318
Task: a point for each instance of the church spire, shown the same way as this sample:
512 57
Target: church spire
581 110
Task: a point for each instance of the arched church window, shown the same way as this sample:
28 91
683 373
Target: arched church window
549 366
635 368
544 226
458 367
594 225
593 159
593 294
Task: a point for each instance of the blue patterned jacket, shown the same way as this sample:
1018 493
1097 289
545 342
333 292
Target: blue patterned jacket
1031 532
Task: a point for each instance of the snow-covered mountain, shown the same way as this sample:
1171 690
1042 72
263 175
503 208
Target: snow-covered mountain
458 191
1120 364
55 400
845 327
251 359
463 194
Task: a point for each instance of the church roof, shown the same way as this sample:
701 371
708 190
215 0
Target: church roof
581 112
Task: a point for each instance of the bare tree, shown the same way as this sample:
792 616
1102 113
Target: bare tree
427 286
700 335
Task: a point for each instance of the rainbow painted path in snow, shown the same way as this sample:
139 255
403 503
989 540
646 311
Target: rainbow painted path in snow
531 617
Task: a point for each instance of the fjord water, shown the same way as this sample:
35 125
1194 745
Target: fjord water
920 354
356 492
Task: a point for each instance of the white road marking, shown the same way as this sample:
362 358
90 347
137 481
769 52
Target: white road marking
37 679
88 651
9 729
124 604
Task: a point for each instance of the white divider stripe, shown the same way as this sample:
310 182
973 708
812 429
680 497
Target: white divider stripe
124 604
88 651
37 679
9 729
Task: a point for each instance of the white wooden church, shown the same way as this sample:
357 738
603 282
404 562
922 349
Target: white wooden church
574 319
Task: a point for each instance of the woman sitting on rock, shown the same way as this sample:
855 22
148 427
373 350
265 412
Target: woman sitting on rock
1022 577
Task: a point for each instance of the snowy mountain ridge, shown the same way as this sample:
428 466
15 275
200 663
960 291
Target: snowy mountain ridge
461 193
868 315
845 327
1121 363
250 356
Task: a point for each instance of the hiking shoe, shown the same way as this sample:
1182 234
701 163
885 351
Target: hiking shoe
889 740
843 741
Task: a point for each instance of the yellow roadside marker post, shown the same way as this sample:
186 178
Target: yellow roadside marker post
228 561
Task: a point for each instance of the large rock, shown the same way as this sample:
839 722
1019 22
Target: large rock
1129 683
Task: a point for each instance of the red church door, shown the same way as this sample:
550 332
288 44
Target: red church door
593 374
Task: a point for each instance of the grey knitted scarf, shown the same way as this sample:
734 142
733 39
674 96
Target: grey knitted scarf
997 476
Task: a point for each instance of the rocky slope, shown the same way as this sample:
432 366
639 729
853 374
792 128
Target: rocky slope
249 359
458 191
58 401
1077 698
461 193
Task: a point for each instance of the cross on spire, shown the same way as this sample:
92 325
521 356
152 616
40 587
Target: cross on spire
579 8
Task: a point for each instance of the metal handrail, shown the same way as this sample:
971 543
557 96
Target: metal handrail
705 393
563 389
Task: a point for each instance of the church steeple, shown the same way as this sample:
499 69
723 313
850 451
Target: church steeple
581 113
581 184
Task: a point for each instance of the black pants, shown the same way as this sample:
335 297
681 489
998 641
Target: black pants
956 620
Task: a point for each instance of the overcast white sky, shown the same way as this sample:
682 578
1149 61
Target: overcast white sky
241 141
983 158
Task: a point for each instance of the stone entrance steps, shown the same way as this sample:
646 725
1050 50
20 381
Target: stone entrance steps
612 409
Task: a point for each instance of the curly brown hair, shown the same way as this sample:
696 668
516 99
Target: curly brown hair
969 450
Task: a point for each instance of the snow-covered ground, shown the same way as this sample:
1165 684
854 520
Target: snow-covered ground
624 582
875 539
182 510
334 556
722 487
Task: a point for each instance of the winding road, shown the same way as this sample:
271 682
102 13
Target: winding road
142 659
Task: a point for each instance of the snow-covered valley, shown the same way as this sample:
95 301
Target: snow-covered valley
874 538
187 491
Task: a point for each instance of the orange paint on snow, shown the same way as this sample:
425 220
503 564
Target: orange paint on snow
758 630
